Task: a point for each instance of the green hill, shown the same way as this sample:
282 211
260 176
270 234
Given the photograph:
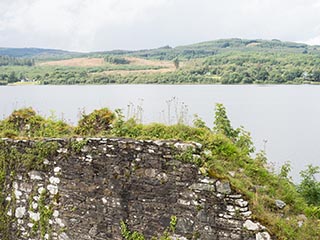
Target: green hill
197 50
210 48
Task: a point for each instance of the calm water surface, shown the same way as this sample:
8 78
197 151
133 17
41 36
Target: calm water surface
284 120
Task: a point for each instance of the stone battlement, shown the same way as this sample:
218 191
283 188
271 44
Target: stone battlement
88 186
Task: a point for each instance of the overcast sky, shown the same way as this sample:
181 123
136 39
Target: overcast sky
90 25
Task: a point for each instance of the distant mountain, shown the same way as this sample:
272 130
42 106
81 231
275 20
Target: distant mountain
34 52
197 50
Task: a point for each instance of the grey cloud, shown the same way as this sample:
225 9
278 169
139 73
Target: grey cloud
134 24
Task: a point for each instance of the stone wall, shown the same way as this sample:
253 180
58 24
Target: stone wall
89 186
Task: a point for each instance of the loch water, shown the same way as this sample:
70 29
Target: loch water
284 120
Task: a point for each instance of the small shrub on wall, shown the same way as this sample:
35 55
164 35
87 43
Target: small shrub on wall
97 122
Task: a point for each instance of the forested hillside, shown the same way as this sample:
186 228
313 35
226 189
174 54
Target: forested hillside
227 61
205 49
12 61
